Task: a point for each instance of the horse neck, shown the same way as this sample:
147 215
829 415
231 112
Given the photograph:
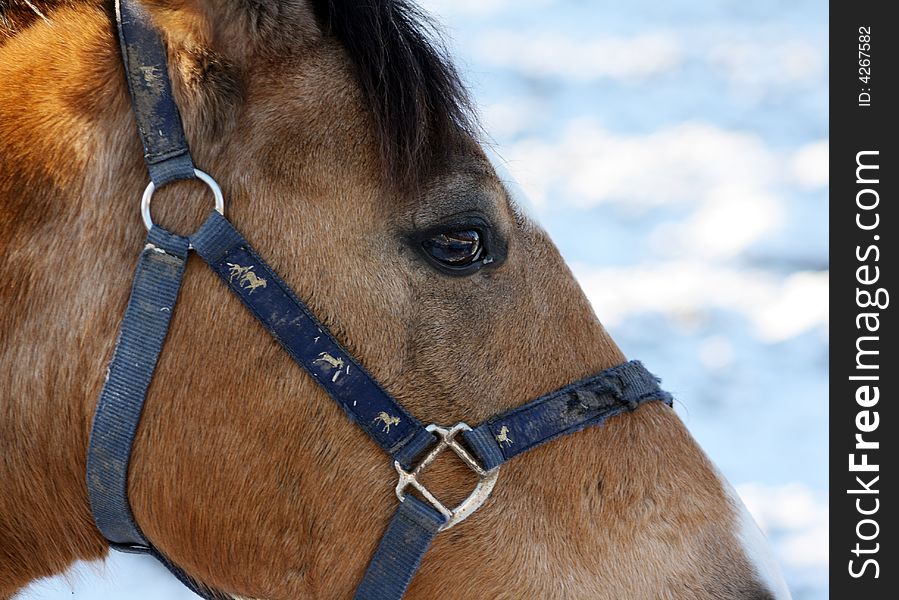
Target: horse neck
56 197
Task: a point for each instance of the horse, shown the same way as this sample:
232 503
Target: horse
350 153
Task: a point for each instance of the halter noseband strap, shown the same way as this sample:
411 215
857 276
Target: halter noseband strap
312 346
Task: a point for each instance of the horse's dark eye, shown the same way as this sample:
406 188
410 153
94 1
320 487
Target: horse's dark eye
455 249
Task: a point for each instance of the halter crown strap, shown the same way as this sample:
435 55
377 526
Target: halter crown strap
158 120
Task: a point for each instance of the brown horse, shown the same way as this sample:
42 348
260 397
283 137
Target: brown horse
343 140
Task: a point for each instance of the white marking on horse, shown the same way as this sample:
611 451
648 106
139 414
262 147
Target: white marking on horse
331 362
246 278
387 420
503 437
755 546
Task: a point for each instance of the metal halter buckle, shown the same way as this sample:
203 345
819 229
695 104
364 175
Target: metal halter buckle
486 481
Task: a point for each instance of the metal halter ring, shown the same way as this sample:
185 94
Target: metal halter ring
486 479
148 194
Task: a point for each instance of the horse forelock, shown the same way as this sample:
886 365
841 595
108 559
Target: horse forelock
410 85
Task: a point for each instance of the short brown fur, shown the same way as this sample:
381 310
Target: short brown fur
244 472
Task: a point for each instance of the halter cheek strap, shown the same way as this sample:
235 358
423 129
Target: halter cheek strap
412 446
309 342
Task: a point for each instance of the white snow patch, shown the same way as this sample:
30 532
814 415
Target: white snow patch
801 303
544 54
779 309
716 352
505 119
478 9
132 576
730 220
811 165
680 164
796 515
756 67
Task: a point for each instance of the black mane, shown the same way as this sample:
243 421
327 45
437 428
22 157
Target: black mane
411 86
414 92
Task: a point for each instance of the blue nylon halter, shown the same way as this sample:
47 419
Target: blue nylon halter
312 346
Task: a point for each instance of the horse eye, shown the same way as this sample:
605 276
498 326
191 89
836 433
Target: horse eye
455 249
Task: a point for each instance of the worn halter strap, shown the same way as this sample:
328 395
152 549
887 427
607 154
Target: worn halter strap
158 120
411 445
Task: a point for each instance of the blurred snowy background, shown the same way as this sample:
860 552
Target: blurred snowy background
679 150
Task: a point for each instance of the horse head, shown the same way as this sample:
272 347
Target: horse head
348 153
